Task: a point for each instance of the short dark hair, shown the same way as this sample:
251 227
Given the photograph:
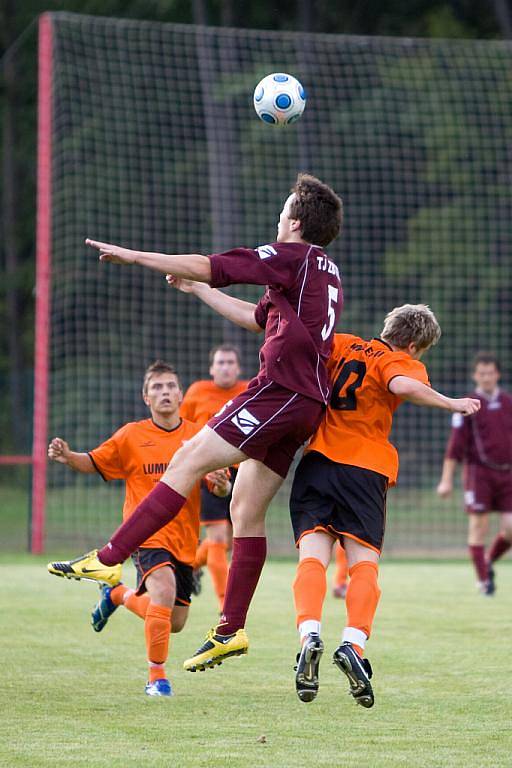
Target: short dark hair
225 348
159 366
487 358
318 208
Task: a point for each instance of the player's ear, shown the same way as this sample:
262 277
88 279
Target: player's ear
295 225
145 398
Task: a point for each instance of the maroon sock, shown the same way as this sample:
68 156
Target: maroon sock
159 507
498 548
247 561
477 553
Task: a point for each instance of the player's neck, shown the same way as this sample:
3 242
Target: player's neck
294 237
166 422
225 386
489 395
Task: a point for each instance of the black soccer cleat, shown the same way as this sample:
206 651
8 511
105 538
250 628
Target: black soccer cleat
490 583
308 663
358 672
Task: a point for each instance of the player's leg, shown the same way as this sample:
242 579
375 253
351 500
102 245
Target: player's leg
477 502
339 585
362 598
161 588
309 590
110 600
217 558
205 452
502 503
478 527
255 486
215 519
500 545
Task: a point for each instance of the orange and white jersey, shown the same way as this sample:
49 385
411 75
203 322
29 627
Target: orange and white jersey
357 423
139 453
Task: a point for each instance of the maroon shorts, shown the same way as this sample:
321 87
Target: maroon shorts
268 422
487 490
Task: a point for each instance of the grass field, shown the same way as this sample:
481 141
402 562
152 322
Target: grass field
440 652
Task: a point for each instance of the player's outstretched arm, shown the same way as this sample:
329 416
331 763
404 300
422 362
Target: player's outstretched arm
419 394
190 265
238 311
59 450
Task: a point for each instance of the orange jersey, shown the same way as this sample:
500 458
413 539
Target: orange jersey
204 399
356 426
139 453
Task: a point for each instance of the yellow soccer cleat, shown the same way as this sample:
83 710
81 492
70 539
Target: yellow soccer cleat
87 567
216 648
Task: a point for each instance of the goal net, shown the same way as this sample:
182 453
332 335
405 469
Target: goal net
150 140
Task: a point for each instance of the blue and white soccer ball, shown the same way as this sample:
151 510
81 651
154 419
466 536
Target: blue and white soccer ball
279 99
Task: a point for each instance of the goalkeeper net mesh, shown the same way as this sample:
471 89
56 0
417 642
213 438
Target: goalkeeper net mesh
155 145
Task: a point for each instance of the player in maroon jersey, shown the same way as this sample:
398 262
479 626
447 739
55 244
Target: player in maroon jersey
262 428
483 444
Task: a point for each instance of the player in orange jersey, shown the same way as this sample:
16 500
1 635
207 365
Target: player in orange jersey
139 453
203 400
340 485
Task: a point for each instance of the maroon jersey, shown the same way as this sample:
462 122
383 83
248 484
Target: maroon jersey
485 438
299 310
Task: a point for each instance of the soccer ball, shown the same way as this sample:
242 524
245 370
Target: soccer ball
279 99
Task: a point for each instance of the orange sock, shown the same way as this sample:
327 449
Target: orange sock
201 554
309 590
363 595
138 604
157 628
218 567
341 573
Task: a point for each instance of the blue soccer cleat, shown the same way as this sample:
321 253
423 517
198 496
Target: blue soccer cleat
103 609
160 687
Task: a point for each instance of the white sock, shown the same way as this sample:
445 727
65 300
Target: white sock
355 636
309 626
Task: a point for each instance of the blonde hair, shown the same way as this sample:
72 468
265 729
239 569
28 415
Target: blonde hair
411 324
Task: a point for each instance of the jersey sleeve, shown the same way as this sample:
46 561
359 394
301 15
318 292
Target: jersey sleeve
459 437
259 266
107 459
390 367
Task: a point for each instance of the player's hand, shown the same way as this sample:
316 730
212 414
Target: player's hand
113 253
181 283
58 450
465 405
444 489
219 482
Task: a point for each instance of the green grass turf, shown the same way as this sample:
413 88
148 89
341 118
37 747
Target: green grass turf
441 657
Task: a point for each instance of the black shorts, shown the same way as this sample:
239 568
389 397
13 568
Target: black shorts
215 509
147 560
339 499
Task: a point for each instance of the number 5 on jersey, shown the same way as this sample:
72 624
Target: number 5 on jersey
332 298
